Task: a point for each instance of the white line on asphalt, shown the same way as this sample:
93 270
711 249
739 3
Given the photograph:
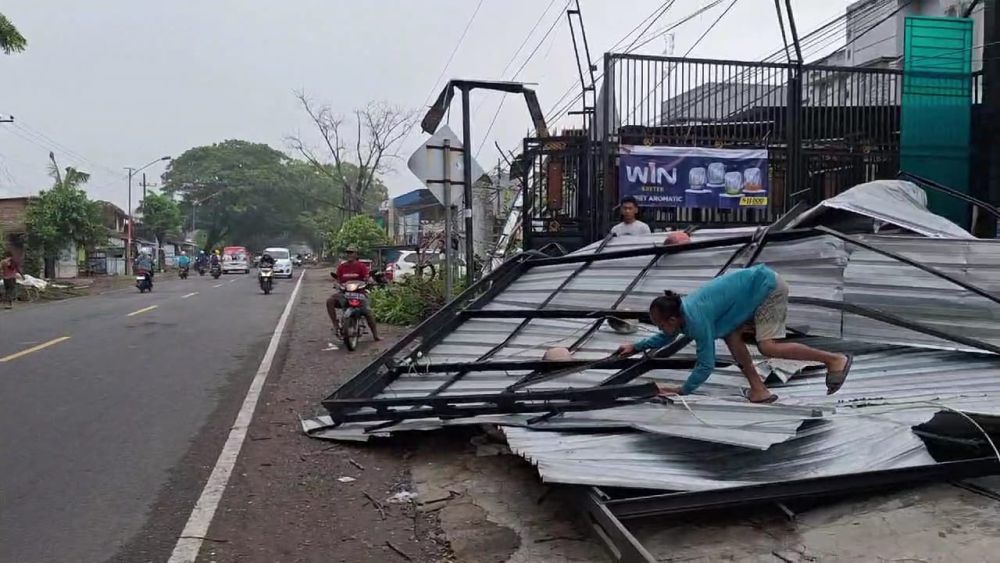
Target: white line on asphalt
217 285
34 349
231 281
191 538
143 310
192 294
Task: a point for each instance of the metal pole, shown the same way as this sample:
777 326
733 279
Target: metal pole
128 246
467 165
990 154
143 190
446 187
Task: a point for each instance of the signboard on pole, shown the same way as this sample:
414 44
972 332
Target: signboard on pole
427 164
694 177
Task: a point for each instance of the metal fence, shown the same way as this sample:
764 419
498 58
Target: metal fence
826 129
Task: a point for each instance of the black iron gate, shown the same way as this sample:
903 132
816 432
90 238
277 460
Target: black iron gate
826 128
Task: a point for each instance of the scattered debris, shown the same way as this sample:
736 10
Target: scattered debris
356 464
402 497
346 479
398 551
376 504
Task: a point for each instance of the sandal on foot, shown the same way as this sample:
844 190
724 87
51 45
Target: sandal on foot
835 379
765 401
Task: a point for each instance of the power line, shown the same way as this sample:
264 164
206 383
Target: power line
518 50
503 97
665 6
447 64
694 45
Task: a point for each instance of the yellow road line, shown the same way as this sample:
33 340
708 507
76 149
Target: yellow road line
140 311
33 349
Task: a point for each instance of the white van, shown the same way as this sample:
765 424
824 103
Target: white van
282 261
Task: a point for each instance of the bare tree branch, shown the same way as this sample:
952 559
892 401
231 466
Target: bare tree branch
379 129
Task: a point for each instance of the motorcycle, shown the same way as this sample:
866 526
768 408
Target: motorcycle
353 324
266 278
216 270
144 282
183 274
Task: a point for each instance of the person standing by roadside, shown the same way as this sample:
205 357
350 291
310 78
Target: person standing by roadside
9 270
630 224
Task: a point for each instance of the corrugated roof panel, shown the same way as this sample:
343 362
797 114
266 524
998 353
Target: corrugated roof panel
649 461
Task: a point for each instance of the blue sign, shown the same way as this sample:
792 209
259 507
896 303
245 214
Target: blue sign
694 177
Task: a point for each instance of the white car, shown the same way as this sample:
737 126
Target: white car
406 265
282 261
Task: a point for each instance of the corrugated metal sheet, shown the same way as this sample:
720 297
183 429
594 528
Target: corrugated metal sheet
735 423
727 442
647 461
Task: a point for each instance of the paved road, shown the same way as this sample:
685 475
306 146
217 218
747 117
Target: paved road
94 425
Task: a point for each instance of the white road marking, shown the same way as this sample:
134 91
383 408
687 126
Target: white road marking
217 285
189 544
143 310
192 294
33 349
231 281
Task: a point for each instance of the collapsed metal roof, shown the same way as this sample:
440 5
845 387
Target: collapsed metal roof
921 316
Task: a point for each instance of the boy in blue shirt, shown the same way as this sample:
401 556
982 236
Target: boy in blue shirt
720 309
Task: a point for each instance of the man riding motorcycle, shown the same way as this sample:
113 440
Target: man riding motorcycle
350 269
266 261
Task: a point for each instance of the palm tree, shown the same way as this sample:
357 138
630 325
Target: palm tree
11 40
73 179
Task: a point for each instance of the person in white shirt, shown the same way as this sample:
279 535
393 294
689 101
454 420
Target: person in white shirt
630 225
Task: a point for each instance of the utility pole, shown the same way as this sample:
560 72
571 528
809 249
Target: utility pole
446 187
990 154
467 165
128 245
143 191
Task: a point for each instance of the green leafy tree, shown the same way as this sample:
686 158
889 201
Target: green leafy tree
361 231
64 214
241 190
160 215
11 40
251 194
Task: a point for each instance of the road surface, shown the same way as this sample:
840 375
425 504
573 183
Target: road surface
113 409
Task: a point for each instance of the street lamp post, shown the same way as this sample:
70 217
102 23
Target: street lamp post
128 247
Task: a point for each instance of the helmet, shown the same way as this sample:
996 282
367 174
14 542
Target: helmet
217 252
201 252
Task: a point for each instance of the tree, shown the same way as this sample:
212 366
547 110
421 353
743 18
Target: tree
241 190
361 231
160 215
64 214
378 130
11 40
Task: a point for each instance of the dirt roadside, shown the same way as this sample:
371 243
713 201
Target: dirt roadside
293 498
297 499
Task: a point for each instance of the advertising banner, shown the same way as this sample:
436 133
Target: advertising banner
694 177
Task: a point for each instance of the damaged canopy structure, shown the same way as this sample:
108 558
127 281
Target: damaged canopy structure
920 315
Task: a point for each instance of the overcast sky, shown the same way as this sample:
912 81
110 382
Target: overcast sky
112 83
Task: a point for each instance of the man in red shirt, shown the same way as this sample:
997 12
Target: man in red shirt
9 271
350 269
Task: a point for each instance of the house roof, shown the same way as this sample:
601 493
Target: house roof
421 197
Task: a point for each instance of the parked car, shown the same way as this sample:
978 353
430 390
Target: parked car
406 265
282 261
